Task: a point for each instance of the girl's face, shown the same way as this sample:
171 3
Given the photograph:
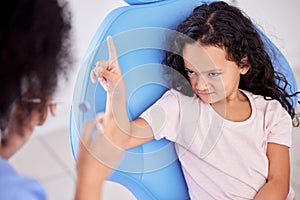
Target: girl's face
213 78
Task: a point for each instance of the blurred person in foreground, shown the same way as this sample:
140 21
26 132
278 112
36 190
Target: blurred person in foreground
34 50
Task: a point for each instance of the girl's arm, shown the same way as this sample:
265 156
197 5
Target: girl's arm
277 185
118 129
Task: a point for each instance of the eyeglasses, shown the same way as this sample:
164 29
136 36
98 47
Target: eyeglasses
50 103
31 100
39 100
0 137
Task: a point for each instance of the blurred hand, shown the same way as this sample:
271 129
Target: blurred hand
96 159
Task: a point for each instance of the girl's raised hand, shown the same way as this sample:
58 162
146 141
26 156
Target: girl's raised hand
108 72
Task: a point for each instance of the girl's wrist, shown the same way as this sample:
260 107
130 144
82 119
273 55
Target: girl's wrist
87 186
90 179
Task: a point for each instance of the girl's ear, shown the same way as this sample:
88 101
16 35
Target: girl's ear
244 65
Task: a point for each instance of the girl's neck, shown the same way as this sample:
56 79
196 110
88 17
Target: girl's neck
236 109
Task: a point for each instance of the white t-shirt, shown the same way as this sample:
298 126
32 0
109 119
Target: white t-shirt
220 159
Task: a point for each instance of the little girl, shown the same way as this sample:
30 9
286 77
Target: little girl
231 123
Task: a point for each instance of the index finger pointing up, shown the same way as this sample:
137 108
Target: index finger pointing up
112 52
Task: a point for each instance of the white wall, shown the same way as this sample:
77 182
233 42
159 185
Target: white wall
280 21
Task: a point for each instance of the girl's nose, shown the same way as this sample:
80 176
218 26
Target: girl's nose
201 84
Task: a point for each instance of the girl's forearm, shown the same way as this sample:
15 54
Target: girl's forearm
122 132
89 189
117 124
116 100
273 190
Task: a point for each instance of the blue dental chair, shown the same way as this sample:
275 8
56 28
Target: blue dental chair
141 31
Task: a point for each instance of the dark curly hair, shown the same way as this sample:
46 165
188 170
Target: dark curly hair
34 43
222 25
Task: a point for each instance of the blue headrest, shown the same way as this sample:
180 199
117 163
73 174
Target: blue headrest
137 2
140 32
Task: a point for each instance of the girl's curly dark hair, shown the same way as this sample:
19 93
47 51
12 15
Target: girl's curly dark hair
226 26
34 49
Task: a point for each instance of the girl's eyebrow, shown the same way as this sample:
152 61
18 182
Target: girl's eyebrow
187 69
207 71
213 70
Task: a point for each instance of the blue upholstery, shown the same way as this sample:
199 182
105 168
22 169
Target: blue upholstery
140 32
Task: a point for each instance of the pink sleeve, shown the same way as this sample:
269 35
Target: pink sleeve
280 125
164 117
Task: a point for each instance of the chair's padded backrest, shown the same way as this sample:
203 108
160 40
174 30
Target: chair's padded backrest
141 32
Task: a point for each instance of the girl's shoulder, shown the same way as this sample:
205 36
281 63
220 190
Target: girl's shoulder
270 112
266 105
261 101
180 97
173 92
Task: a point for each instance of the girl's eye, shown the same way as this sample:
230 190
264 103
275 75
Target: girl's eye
214 74
190 72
